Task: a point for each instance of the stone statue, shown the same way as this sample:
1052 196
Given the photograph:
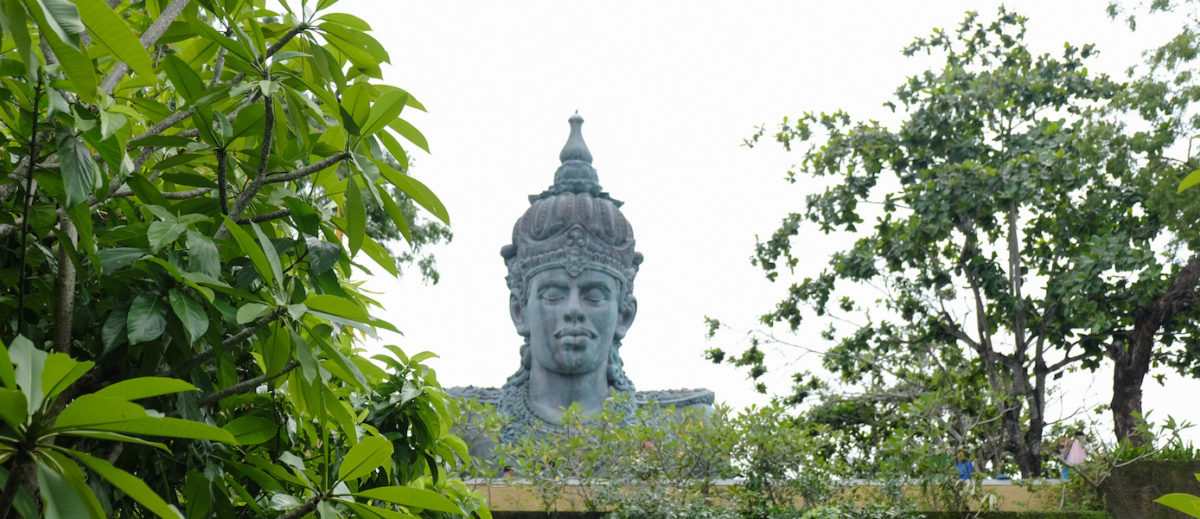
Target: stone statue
571 267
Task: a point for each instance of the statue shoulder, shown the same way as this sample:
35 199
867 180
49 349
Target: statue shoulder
486 395
676 397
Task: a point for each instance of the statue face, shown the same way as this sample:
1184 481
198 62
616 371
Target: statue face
571 321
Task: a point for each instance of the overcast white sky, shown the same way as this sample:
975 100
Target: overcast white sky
668 90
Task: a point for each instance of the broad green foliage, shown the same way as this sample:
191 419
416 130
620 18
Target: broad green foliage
1015 231
762 462
1186 503
186 188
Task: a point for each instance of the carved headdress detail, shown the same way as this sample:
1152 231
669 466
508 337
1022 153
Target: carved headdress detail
573 224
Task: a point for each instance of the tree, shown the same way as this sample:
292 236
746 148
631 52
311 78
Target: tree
1163 95
1015 220
185 237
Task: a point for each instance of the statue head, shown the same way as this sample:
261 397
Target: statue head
571 266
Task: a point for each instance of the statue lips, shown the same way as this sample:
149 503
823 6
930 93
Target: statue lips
574 337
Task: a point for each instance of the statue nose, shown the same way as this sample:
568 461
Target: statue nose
574 311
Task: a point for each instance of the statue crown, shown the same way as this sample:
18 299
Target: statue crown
573 224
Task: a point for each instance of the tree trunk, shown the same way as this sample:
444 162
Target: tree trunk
1131 361
1127 401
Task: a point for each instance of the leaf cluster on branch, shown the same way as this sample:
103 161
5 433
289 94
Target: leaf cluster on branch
186 189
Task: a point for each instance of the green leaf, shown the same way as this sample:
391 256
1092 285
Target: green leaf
13 407
304 354
251 430
419 193
344 41
7 376
112 32
368 455
147 318
78 168
207 32
356 216
307 219
385 109
191 313
251 311
81 216
93 411
338 306
63 18
15 24
131 485
394 148
198 495
357 103
393 210
59 371
1192 179
185 80
251 249
117 437
164 232
58 21
409 132
380 255
65 493
348 20
203 256
144 387
269 251
117 258
112 334
1185 503
103 413
365 510
28 371
411 497
322 255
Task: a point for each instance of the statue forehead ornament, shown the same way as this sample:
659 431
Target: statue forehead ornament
573 224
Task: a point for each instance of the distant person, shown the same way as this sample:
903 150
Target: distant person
966 467
1074 452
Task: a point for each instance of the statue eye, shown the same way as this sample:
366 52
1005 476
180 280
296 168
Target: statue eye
595 295
552 294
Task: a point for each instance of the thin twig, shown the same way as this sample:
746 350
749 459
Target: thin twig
248 384
218 67
222 189
265 217
148 39
286 176
64 286
29 185
246 333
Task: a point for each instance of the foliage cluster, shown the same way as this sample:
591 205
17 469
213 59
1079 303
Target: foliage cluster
761 462
181 333
1013 228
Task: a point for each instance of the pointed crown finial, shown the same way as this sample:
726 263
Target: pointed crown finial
576 174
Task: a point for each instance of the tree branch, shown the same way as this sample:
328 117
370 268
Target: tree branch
248 384
222 188
218 67
286 176
303 510
246 333
64 287
169 195
30 184
161 126
266 217
148 39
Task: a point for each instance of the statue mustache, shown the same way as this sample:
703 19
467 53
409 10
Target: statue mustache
574 331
